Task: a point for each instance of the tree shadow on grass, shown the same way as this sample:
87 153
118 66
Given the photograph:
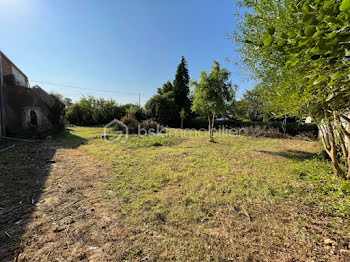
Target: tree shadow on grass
23 173
292 154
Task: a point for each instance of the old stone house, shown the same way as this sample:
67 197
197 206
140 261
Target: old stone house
26 110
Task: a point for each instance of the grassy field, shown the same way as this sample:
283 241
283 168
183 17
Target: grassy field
174 197
240 198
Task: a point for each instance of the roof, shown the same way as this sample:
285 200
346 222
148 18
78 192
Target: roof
2 54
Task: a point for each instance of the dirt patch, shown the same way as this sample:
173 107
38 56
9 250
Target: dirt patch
71 221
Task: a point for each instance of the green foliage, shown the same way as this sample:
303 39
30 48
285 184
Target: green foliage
252 106
214 94
92 111
183 113
171 98
162 108
181 86
137 111
134 126
309 73
167 87
56 114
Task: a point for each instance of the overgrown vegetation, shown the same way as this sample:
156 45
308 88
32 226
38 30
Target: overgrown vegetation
56 115
136 127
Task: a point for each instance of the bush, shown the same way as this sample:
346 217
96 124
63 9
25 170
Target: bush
79 115
131 122
163 109
135 110
149 124
292 128
98 111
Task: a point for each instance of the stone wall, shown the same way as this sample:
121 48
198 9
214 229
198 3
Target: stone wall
31 111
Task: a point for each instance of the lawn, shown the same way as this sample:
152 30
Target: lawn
240 198
174 197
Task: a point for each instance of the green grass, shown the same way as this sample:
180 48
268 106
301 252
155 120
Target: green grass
187 185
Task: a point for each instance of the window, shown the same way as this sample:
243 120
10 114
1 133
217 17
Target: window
33 118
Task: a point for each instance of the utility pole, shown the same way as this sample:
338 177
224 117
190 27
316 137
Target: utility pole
139 99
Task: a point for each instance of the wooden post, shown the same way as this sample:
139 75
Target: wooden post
2 105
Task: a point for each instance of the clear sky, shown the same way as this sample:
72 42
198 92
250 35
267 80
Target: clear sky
117 48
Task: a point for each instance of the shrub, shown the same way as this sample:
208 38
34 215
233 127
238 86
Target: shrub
133 125
79 115
163 109
292 128
135 110
131 122
148 124
98 111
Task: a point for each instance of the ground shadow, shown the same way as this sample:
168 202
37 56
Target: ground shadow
23 173
292 154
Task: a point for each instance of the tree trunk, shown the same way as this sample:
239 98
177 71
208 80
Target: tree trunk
333 146
284 125
182 123
211 128
346 141
347 145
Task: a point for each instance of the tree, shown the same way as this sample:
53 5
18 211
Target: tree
252 106
300 49
181 86
68 102
213 95
182 116
172 97
134 110
162 108
167 87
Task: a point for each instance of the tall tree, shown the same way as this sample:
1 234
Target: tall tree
181 86
213 95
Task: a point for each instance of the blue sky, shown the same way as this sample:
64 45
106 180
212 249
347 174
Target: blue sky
117 48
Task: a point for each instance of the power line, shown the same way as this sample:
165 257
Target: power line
83 88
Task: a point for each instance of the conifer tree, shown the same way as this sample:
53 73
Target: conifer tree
181 86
